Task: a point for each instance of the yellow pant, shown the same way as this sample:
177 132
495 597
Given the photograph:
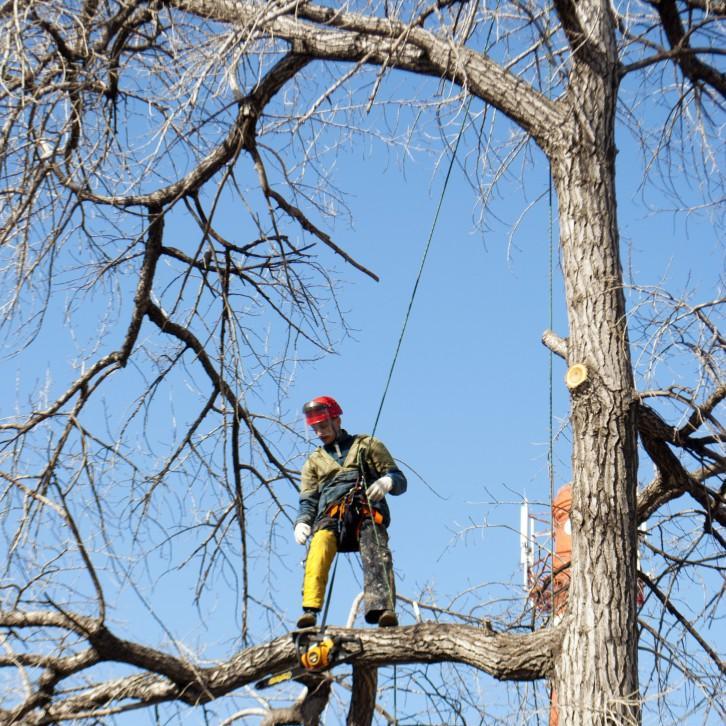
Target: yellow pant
320 556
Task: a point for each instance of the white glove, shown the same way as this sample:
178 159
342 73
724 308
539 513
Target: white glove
379 488
302 532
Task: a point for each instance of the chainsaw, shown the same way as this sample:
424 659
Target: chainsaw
316 653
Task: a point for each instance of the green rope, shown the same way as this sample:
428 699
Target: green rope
550 325
397 351
423 262
550 453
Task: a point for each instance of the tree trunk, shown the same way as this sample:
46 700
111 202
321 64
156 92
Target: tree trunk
363 699
596 676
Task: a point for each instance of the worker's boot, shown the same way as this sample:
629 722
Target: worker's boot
388 619
308 619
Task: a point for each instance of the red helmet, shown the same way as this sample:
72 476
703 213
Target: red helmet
321 409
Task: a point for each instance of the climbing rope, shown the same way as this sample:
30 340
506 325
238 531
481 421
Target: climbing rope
422 264
550 369
551 447
404 326
397 351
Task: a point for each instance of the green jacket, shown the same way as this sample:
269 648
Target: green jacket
325 479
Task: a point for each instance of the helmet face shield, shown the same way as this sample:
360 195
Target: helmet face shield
321 409
316 413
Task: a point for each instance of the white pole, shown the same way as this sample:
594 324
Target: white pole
524 543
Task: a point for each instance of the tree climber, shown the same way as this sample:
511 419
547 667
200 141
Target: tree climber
342 503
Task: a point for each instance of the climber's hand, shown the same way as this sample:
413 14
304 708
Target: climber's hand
379 488
302 532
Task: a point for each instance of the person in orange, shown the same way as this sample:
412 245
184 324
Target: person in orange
342 504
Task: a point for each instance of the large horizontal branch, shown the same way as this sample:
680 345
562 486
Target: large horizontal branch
503 656
326 34
105 644
250 108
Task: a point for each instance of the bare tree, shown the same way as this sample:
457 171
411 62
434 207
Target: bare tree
128 130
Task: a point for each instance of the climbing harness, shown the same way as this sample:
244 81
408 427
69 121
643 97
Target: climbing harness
349 514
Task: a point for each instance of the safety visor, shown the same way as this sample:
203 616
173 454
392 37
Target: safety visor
316 413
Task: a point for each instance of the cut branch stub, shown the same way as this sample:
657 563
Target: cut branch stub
576 376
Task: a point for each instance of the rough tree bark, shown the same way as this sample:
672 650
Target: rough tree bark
596 675
591 656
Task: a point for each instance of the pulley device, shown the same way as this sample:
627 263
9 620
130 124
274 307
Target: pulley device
316 653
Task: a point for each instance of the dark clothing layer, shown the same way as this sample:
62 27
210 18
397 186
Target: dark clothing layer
331 471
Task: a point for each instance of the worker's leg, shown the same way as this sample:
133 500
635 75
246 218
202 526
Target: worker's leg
317 565
379 587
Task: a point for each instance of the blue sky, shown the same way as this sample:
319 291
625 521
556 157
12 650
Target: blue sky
468 406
